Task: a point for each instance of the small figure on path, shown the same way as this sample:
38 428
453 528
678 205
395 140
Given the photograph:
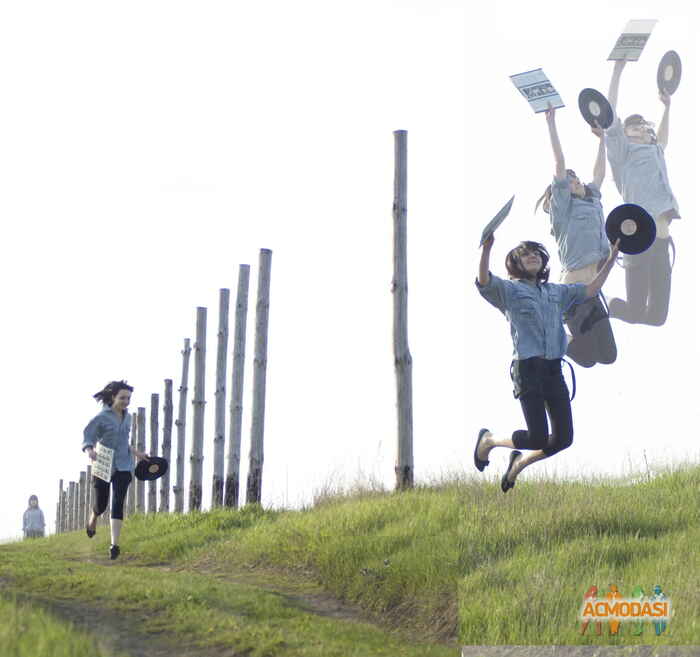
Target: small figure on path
33 524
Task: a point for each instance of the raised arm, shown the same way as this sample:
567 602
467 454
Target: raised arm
662 134
560 166
615 84
597 283
599 167
484 262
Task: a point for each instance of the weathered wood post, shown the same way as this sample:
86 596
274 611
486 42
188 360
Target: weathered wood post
81 498
71 506
131 492
141 446
179 488
262 311
238 366
64 512
76 510
399 288
165 451
198 402
58 506
153 484
88 494
217 488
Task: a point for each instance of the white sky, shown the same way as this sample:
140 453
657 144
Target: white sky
149 148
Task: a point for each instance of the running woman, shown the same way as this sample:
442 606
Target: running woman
111 428
577 223
637 159
534 309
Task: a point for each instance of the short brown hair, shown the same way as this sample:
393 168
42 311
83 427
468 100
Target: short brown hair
515 268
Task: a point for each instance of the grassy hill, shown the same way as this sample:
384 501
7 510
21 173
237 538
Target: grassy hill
416 573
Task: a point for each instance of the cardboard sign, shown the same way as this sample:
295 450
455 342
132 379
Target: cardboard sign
537 90
102 465
496 221
631 42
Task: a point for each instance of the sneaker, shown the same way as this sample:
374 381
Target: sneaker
113 551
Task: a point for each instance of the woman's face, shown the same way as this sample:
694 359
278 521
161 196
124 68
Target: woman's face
33 502
575 185
531 262
121 400
639 132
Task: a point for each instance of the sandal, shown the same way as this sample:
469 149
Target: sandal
478 463
505 484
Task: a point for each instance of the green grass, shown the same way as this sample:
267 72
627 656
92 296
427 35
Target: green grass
26 631
456 562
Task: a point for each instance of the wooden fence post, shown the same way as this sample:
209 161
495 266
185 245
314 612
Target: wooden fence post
131 492
71 506
180 423
237 370
167 440
217 489
88 494
196 458
399 287
153 484
81 499
141 446
254 484
58 506
64 512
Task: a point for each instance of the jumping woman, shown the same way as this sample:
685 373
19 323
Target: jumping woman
534 310
577 224
111 427
637 160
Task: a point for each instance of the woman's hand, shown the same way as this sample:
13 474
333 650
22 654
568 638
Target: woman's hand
665 98
92 454
488 242
614 250
141 456
549 113
597 130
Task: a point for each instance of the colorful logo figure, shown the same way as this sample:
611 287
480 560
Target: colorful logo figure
616 610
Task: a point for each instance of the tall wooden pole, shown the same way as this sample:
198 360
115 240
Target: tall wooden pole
180 423
196 458
153 484
58 506
131 492
217 488
262 311
399 287
81 499
141 446
64 511
71 506
236 415
167 441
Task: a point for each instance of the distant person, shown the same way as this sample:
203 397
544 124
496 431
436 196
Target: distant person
111 427
578 225
638 162
534 309
33 524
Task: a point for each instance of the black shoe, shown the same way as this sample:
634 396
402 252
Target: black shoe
113 551
505 484
89 532
480 465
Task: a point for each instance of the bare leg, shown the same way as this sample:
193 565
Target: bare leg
116 530
488 442
92 523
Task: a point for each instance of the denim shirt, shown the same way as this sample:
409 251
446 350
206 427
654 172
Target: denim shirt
534 313
578 226
640 172
106 428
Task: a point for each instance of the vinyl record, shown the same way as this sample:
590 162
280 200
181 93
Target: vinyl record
152 469
633 225
595 107
668 76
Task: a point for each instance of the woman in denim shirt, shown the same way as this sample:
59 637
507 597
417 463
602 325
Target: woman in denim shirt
111 427
534 309
578 225
638 163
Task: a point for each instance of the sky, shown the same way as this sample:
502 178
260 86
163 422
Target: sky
149 148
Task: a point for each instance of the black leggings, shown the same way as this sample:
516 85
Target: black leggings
542 389
648 282
593 340
120 484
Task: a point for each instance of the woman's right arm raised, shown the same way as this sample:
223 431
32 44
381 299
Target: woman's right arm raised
560 165
484 262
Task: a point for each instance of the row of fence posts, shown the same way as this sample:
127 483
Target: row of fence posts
75 501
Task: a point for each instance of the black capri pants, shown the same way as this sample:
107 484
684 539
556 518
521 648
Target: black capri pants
540 386
120 484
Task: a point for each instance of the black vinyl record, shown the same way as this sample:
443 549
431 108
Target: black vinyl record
634 227
668 76
152 469
595 107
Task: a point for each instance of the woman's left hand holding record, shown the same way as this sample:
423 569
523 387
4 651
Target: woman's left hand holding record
496 221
